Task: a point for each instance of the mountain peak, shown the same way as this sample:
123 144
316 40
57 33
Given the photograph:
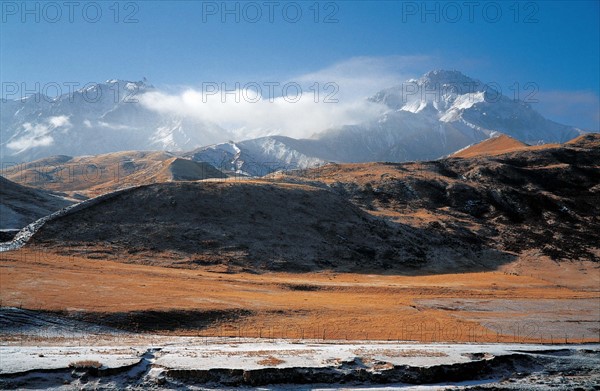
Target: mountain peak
444 72
140 84
110 90
444 77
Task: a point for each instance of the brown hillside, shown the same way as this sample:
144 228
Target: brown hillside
491 146
170 170
588 140
89 176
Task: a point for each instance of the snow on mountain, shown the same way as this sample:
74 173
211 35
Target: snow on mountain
424 118
256 157
100 118
452 97
433 116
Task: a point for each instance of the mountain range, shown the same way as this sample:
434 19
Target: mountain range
421 119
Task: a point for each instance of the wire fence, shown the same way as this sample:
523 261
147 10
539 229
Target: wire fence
407 332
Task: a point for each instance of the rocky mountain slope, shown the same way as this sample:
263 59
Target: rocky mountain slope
257 157
434 116
538 199
422 119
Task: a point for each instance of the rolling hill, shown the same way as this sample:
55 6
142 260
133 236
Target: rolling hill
542 199
454 214
249 225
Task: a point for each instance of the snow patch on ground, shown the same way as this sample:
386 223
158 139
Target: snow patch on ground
153 360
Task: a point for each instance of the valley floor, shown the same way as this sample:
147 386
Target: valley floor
529 324
532 301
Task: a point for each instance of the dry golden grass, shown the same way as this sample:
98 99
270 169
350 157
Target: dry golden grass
492 146
337 306
506 144
88 175
95 175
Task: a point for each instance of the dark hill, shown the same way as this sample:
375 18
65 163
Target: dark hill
250 226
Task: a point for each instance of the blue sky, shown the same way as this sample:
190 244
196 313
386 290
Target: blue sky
552 44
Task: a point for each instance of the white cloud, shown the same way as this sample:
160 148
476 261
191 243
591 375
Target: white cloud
24 143
254 117
330 97
58 121
39 135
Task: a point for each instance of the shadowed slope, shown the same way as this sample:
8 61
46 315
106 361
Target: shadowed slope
253 226
21 205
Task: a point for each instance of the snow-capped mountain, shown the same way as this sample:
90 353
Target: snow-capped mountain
424 118
435 115
455 98
101 118
256 157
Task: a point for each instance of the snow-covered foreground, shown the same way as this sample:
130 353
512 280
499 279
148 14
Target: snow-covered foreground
200 363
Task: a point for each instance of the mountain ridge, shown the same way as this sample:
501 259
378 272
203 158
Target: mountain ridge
423 119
